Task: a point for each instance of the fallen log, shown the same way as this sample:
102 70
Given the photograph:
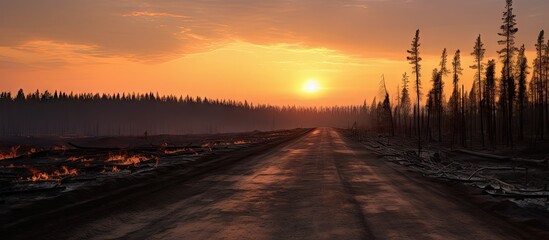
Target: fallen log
512 194
503 158
94 148
496 169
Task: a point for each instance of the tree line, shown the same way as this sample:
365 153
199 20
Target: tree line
495 111
67 114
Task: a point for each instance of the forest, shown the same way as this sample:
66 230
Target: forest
67 114
497 110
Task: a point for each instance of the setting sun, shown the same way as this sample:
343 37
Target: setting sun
311 86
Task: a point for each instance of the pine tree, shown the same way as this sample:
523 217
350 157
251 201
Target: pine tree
435 99
405 102
508 31
546 79
20 96
439 90
522 73
539 81
386 110
457 71
478 53
414 59
489 98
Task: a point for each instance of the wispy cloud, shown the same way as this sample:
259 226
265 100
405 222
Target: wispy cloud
153 14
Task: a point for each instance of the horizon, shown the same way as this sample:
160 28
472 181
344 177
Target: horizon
189 48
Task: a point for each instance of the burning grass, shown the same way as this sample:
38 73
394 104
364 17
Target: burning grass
113 169
12 153
30 172
125 159
55 176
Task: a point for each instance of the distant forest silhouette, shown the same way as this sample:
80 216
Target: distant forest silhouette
67 114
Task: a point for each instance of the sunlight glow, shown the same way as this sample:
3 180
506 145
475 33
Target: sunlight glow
311 86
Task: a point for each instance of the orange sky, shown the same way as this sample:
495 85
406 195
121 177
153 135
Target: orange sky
262 51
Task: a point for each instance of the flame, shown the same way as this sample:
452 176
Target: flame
207 145
38 176
59 148
57 175
74 158
239 142
127 160
112 170
80 159
12 153
65 171
173 151
31 151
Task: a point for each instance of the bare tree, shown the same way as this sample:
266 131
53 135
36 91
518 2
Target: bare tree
414 59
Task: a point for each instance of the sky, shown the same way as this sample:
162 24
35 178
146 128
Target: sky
260 51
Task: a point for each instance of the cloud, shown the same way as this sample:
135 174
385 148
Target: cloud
162 30
153 14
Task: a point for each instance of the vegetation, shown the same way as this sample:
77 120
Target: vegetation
499 104
68 114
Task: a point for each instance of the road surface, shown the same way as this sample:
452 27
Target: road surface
320 186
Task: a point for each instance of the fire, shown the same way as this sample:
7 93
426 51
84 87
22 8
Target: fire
207 145
239 142
31 151
173 151
127 160
74 158
65 171
80 159
59 148
57 174
38 176
9 154
112 170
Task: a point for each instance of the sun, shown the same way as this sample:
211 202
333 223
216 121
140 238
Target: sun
311 86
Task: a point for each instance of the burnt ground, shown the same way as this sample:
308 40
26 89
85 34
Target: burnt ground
320 185
510 183
38 170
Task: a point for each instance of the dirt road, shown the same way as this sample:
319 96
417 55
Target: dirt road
320 186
